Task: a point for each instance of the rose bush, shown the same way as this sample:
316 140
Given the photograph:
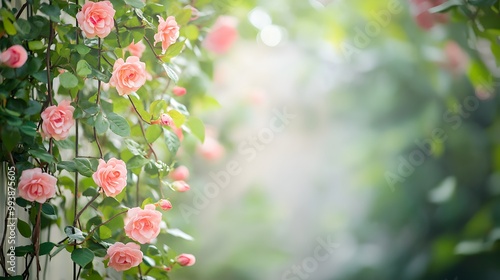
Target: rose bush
91 119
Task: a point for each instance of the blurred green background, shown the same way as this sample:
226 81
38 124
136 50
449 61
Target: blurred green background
389 153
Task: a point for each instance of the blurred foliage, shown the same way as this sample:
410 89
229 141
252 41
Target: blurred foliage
425 97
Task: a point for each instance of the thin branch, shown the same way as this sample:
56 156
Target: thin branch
36 240
146 139
135 109
21 10
47 62
137 190
77 216
152 49
140 271
99 225
118 35
98 99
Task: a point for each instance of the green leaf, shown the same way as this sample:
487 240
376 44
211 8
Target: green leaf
35 45
82 256
29 128
446 6
52 11
153 132
34 107
83 69
137 162
22 202
153 250
24 228
479 75
67 165
134 147
147 201
482 2
84 167
183 16
191 32
118 124
179 106
197 128
178 118
171 72
49 211
90 192
173 142
82 49
135 3
46 247
68 80
156 108
23 250
179 233
174 49
10 137
101 124
42 155
9 27
105 232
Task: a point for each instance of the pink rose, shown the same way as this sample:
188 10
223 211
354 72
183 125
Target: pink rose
58 120
14 57
124 256
195 14
96 19
34 185
456 59
179 91
222 35
168 32
143 225
178 132
128 76
180 186
165 204
422 16
111 176
166 119
185 259
211 149
180 173
136 49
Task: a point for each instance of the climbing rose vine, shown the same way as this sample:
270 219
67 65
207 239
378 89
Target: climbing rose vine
96 99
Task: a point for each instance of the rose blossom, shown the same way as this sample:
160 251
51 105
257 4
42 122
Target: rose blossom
143 225
180 186
58 120
456 59
180 173
128 76
124 256
34 185
136 49
168 32
14 57
178 132
165 204
166 119
96 19
185 259
222 35
423 17
179 91
211 149
111 176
